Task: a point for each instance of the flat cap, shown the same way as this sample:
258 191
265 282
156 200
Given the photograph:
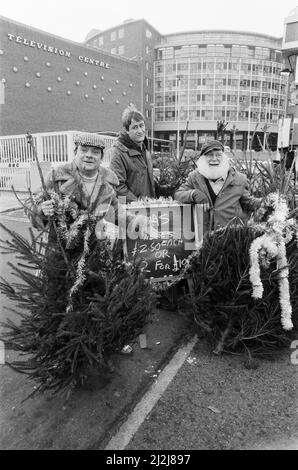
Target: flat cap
213 145
89 138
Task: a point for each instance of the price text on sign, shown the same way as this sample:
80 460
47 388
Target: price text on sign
165 255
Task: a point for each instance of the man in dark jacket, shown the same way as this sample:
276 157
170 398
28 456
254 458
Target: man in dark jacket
131 160
216 183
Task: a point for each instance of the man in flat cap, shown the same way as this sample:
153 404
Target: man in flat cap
216 183
91 185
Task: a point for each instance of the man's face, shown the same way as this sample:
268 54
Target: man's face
136 131
88 158
214 157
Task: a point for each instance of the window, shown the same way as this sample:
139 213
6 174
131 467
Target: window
160 54
113 35
121 50
121 33
227 50
182 66
148 34
100 41
245 83
169 99
236 51
114 50
219 49
202 50
147 98
148 50
210 49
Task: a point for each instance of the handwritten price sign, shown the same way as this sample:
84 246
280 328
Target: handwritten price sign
177 233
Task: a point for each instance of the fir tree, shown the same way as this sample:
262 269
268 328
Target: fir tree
222 302
64 336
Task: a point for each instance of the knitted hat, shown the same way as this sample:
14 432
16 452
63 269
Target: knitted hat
88 138
213 145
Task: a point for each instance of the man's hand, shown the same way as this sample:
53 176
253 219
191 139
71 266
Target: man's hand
47 208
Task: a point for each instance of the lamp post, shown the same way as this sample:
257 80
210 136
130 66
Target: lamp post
178 114
248 129
139 60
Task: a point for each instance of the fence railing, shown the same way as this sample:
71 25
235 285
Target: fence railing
54 148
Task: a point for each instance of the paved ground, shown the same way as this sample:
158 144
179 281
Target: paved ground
216 403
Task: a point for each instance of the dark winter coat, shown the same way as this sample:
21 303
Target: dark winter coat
232 201
134 169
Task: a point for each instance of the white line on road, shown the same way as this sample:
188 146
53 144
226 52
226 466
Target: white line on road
151 397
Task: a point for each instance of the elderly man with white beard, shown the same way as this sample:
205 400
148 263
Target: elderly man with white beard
218 185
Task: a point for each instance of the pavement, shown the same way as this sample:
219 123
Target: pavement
93 414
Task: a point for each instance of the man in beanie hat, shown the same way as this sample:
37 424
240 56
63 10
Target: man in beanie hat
131 160
91 185
218 185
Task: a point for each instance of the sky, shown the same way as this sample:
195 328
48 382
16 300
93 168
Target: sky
74 19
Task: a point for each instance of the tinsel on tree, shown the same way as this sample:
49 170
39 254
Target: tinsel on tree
109 309
245 276
78 300
223 306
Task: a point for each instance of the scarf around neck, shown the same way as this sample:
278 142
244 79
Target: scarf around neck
126 140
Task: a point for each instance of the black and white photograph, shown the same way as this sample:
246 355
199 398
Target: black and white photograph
148 228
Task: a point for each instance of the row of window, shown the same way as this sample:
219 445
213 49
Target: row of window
219 50
213 115
212 65
235 83
120 50
169 99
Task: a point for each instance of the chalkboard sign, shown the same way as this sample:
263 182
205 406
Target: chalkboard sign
177 230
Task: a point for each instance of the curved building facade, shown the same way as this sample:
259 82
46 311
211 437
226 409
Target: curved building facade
208 76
